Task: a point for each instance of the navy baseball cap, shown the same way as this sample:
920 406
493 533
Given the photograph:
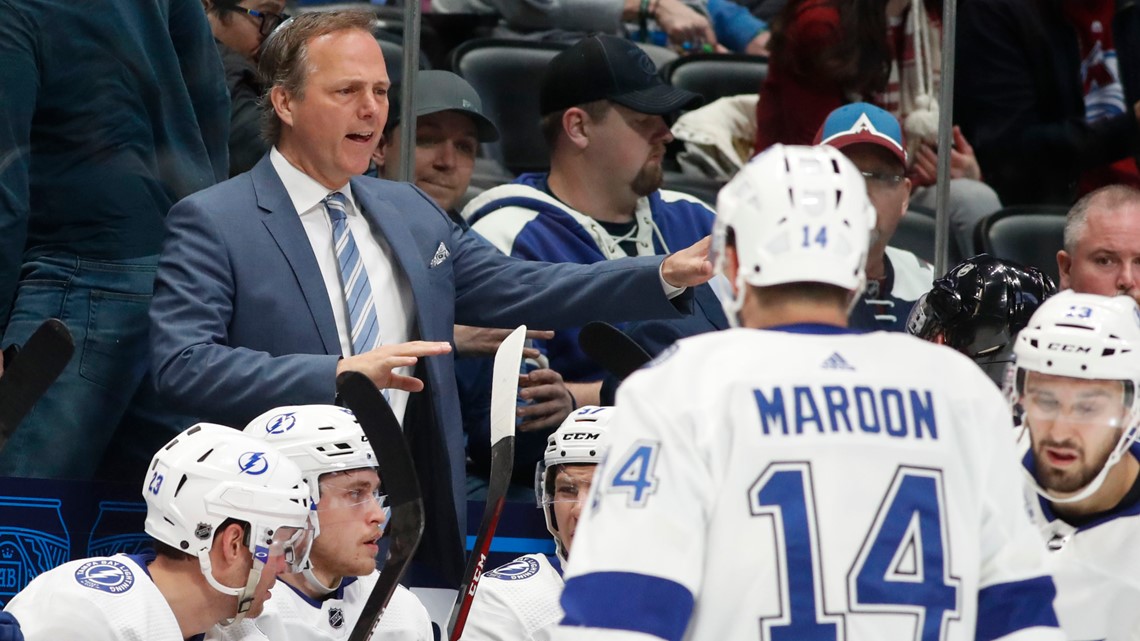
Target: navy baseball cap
604 67
438 91
860 122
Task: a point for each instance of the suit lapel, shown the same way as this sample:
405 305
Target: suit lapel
285 226
384 217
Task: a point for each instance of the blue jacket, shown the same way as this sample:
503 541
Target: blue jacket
241 320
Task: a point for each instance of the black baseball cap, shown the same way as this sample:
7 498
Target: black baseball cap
605 67
438 91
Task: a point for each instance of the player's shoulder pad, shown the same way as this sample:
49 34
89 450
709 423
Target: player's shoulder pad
520 569
104 574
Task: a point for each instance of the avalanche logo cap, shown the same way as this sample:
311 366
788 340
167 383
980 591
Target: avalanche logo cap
604 67
860 122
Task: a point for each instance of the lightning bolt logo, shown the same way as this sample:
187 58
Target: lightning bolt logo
253 463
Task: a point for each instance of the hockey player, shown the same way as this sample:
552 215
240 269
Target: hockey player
978 308
325 599
791 480
227 513
1076 383
519 600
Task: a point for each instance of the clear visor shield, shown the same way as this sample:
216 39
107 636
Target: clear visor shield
350 501
561 490
288 549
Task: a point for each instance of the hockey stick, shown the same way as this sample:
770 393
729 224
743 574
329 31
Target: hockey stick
504 392
29 375
611 348
398 475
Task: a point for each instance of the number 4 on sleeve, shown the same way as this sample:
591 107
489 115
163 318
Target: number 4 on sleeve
634 475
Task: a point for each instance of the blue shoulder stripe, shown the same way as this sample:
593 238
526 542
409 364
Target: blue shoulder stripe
1005 608
628 601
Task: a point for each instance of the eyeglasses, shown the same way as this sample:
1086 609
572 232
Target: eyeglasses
888 180
269 21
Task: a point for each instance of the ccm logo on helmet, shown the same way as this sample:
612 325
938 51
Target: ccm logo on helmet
579 436
1065 347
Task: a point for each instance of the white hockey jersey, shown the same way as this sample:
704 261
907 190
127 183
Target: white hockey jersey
289 615
1096 567
103 598
517 601
808 484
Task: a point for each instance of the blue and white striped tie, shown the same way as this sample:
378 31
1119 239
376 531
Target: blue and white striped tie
362 321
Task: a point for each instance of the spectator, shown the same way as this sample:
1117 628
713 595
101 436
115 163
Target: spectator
250 311
1074 389
896 278
1049 93
111 111
520 599
449 127
978 308
1102 244
826 53
324 600
603 112
227 514
683 25
239 29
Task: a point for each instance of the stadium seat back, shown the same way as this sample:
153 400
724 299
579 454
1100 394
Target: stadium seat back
1030 235
718 75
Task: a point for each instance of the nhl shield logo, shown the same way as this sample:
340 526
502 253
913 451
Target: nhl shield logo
336 617
203 531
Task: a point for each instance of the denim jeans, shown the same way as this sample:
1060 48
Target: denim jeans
105 386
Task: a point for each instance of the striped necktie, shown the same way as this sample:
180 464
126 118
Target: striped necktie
362 321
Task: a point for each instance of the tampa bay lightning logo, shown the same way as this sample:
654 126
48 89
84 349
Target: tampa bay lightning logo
336 618
281 423
253 463
105 575
517 570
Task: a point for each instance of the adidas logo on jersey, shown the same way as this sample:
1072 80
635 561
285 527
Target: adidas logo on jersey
835 361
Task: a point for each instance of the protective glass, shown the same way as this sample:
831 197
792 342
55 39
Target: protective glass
290 545
341 501
1073 402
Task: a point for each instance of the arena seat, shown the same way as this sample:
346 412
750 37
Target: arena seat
1026 234
507 73
716 75
915 234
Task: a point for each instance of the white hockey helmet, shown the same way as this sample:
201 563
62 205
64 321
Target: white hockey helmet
583 438
209 474
795 214
319 438
1083 336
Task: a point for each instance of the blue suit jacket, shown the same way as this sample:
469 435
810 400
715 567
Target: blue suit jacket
241 321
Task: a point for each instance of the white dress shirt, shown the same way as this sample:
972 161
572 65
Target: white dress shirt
395 304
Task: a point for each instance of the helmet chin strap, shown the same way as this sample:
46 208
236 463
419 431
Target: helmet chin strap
245 594
316 585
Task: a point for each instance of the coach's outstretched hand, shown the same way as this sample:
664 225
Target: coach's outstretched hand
379 364
690 266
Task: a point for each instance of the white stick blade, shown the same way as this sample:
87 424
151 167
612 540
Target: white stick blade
505 384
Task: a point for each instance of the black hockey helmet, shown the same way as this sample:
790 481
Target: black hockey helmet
978 308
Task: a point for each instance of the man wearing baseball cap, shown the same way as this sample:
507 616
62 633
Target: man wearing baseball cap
896 278
449 127
603 115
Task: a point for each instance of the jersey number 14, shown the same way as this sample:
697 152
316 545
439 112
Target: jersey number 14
902 567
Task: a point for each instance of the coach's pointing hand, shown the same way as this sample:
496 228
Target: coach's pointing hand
380 364
690 266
